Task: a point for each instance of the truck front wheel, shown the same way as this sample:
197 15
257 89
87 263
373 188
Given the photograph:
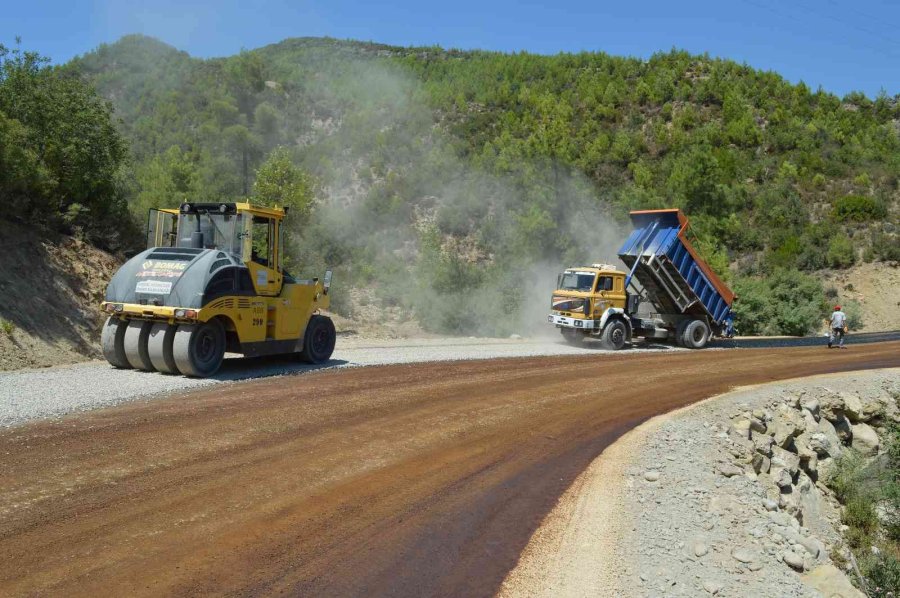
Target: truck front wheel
614 335
572 336
695 335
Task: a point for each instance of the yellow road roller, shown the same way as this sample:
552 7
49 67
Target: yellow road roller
212 281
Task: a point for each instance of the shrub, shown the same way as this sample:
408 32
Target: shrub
858 208
886 247
787 302
883 576
7 327
854 314
840 252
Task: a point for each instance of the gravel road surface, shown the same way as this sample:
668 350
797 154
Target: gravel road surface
34 394
404 480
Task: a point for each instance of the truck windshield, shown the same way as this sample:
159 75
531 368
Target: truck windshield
220 231
577 281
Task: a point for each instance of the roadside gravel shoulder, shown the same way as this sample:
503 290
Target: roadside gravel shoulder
27 395
659 513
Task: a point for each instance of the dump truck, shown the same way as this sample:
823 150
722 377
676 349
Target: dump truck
667 294
211 281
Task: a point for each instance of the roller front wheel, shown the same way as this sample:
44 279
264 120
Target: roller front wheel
198 349
112 341
136 344
159 347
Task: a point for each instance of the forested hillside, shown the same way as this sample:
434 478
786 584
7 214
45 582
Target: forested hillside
451 183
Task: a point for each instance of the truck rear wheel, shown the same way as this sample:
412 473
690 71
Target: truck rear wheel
318 341
198 349
112 341
614 335
696 334
679 332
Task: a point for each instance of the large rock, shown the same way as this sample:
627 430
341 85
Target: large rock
863 409
865 440
811 406
760 463
741 428
786 424
808 457
785 459
782 477
825 441
763 444
842 428
831 404
829 581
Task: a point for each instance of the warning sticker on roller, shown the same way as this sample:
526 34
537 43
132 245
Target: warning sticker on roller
153 287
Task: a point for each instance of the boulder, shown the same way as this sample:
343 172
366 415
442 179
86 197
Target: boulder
781 477
865 440
793 559
811 406
741 428
831 446
853 407
831 404
786 424
865 409
728 469
785 459
760 463
842 428
829 581
763 444
758 424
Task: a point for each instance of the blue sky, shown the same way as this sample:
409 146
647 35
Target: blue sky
842 46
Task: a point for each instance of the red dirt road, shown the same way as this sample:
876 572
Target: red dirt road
410 480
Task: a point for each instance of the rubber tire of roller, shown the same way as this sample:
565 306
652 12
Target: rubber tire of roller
614 335
136 345
199 349
112 341
318 340
159 346
691 339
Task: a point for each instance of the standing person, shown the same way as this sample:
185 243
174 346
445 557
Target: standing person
838 327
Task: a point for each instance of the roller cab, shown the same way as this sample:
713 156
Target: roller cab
211 281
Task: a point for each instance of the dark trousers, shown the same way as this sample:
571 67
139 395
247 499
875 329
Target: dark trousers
836 333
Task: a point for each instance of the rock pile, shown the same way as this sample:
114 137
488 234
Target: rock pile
727 498
790 447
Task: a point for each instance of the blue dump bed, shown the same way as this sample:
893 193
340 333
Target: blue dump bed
662 259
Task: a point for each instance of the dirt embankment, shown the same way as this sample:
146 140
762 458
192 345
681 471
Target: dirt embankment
50 289
876 287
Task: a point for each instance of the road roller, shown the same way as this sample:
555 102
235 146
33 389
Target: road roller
213 281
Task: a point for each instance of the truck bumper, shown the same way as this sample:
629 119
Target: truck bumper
566 322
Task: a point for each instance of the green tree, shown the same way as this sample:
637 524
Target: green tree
63 153
279 182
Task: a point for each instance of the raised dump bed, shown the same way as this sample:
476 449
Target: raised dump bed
675 278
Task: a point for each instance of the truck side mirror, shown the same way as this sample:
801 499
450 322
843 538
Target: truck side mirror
326 284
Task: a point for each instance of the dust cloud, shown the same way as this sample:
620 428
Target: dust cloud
467 241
